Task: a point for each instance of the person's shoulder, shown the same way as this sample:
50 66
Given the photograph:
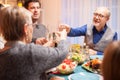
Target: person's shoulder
111 29
34 46
42 25
23 46
31 45
115 34
26 48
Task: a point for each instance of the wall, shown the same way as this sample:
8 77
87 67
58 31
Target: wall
11 2
51 13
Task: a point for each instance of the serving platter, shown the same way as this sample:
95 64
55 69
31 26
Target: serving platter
88 68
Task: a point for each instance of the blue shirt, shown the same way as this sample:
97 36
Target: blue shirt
81 31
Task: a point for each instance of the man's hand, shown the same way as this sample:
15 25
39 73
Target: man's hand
64 26
61 35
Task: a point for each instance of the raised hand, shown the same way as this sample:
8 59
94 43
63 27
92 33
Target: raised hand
64 26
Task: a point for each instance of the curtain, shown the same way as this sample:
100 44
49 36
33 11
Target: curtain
79 12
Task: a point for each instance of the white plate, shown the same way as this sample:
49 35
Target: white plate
85 76
96 56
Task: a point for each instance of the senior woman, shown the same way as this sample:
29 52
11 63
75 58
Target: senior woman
20 59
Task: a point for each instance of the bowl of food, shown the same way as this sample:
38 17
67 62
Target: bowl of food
67 66
80 58
75 48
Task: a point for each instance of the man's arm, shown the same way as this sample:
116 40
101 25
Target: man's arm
79 31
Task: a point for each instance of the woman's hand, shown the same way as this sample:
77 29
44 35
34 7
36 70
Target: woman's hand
40 41
50 44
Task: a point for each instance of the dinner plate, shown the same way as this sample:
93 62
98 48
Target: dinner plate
88 68
96 56
85 76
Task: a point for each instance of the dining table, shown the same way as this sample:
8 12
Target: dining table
81 73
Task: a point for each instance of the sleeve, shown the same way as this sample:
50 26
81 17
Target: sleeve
115 37
99 53
79 31
45 58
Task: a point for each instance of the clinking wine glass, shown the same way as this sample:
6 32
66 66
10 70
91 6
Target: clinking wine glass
52 36
85 52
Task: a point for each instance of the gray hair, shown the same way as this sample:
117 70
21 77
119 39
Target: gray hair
13 19
107 10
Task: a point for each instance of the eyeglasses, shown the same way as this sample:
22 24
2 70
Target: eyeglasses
99 15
